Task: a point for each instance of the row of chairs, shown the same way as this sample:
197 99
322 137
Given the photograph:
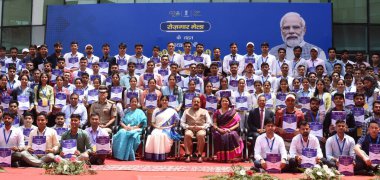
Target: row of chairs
177 144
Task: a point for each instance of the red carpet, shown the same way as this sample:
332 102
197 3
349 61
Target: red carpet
37 173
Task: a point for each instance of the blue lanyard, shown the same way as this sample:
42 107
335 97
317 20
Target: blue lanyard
9 136
344 142
262 79
307 145
312 117
92 137
10 85
295 64
44 92
270 146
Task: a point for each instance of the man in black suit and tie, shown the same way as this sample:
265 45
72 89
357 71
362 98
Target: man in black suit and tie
256 119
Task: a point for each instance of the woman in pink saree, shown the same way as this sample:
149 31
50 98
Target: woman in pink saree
228 144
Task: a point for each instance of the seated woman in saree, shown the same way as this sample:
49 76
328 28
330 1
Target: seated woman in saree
127 139
160 141
227 142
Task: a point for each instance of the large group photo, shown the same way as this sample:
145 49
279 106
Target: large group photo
183 95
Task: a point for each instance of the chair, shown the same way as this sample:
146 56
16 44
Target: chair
177 145
246 137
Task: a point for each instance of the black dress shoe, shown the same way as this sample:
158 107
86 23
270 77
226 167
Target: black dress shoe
253 168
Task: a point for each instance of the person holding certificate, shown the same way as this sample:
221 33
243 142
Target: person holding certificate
269 96
131 91
339 145
126 141
243 101
160 141
366 151
256 119
199 85
270 152
61 94
322 93
224 91
12 138
304 95
75 142
361 114
374 117
227 142
149 74
282 91
95 132
195 121
335 114
190 94
287 119
174 93
44 99
305 150
150 99
24 95
211 99
115 92
42 145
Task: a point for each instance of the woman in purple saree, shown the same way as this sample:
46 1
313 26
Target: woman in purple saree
228 144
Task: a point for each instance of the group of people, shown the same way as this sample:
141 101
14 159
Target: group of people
295 105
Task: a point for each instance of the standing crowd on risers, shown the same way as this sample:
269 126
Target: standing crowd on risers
254 106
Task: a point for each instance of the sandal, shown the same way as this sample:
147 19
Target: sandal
187 158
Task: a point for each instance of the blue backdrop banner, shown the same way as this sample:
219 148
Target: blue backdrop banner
213 24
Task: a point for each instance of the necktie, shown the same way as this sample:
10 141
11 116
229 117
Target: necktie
262 118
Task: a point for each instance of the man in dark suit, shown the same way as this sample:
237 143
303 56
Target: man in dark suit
256 119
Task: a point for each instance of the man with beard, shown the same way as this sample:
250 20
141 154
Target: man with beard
51 140
12 138
89 54
231 58
173 56
13 60
373 117
357 111
288 115
39 62
329 126
293 29
300 142
53 58
339 145
296 62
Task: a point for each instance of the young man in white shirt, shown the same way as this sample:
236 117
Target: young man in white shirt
122 56
233 57
83 62
339 144
277 72
72 58
89 54
269 142
201 57
139 59
52 144
250 57
12 138
300 142
265 57
173 56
